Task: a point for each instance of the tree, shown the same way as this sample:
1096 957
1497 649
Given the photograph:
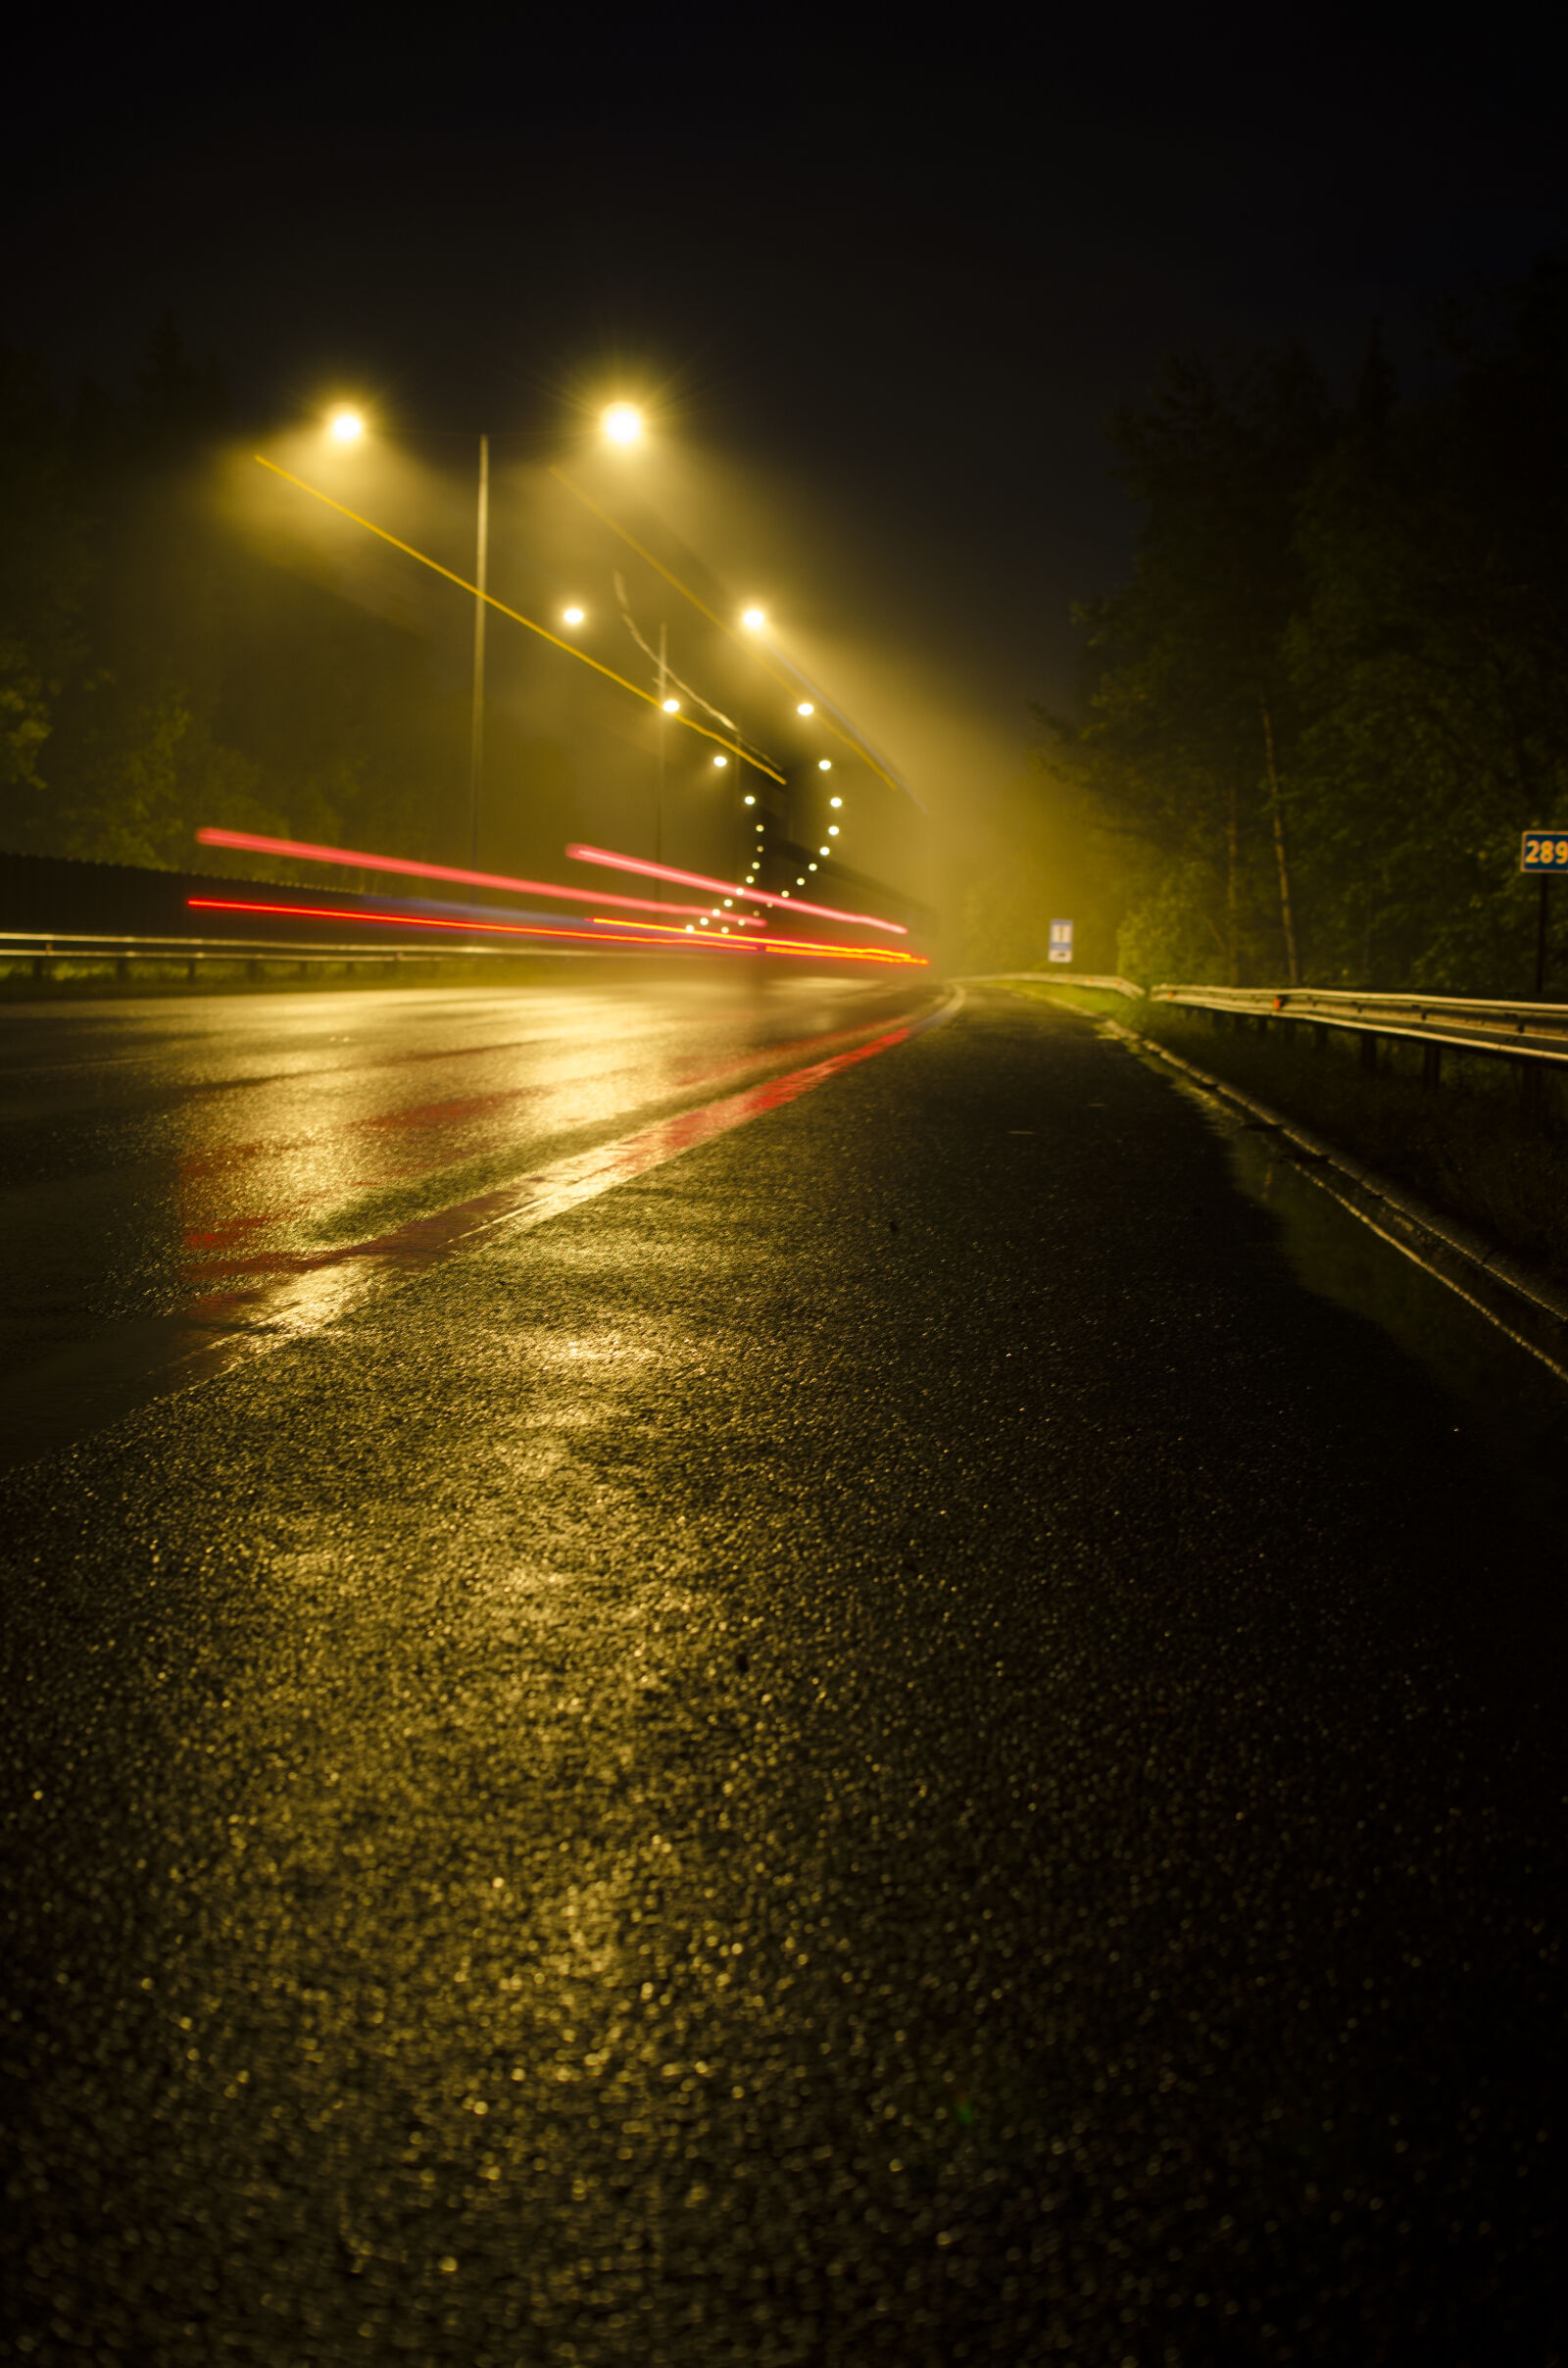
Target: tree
157 673
1428 657
1191 721
44 573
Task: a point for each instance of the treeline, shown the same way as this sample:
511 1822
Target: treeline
155 673
1335 690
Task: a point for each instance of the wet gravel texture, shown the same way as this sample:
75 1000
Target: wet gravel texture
885 1743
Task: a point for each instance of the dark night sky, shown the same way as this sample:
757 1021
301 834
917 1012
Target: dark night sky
889 274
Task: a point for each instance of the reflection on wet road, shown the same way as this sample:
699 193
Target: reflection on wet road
180 1184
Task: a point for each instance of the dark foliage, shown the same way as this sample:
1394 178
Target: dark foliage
1333 695
157 672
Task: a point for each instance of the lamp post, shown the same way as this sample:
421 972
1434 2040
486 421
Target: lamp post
347 427
663 735
481 564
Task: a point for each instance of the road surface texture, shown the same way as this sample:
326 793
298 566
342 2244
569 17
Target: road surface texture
881 1742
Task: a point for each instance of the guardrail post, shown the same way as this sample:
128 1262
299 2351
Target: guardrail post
1320 1037
1369 1053
1431 1063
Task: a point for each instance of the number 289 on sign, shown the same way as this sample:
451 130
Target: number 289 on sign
1544 851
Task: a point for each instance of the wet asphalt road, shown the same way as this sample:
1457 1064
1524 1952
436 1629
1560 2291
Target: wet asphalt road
881 1742
184 1183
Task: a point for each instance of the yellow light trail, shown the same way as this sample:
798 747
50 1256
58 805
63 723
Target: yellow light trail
763 945
515 614
848 739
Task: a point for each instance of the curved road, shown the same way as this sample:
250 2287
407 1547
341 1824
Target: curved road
869 1738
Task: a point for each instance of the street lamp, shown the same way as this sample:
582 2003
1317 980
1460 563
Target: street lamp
623 423
754 621
345 428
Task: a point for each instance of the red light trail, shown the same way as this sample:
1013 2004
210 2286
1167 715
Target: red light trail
248 842
679 939
700 879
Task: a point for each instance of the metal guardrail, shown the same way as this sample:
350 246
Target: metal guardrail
1517 1031
45 946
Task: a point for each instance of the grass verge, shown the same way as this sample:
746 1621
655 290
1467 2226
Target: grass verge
1468 1147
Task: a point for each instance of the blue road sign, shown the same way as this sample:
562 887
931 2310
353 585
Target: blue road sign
1541 851
1061 941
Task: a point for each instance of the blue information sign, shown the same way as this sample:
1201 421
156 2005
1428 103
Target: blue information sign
1061 941
1544 851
